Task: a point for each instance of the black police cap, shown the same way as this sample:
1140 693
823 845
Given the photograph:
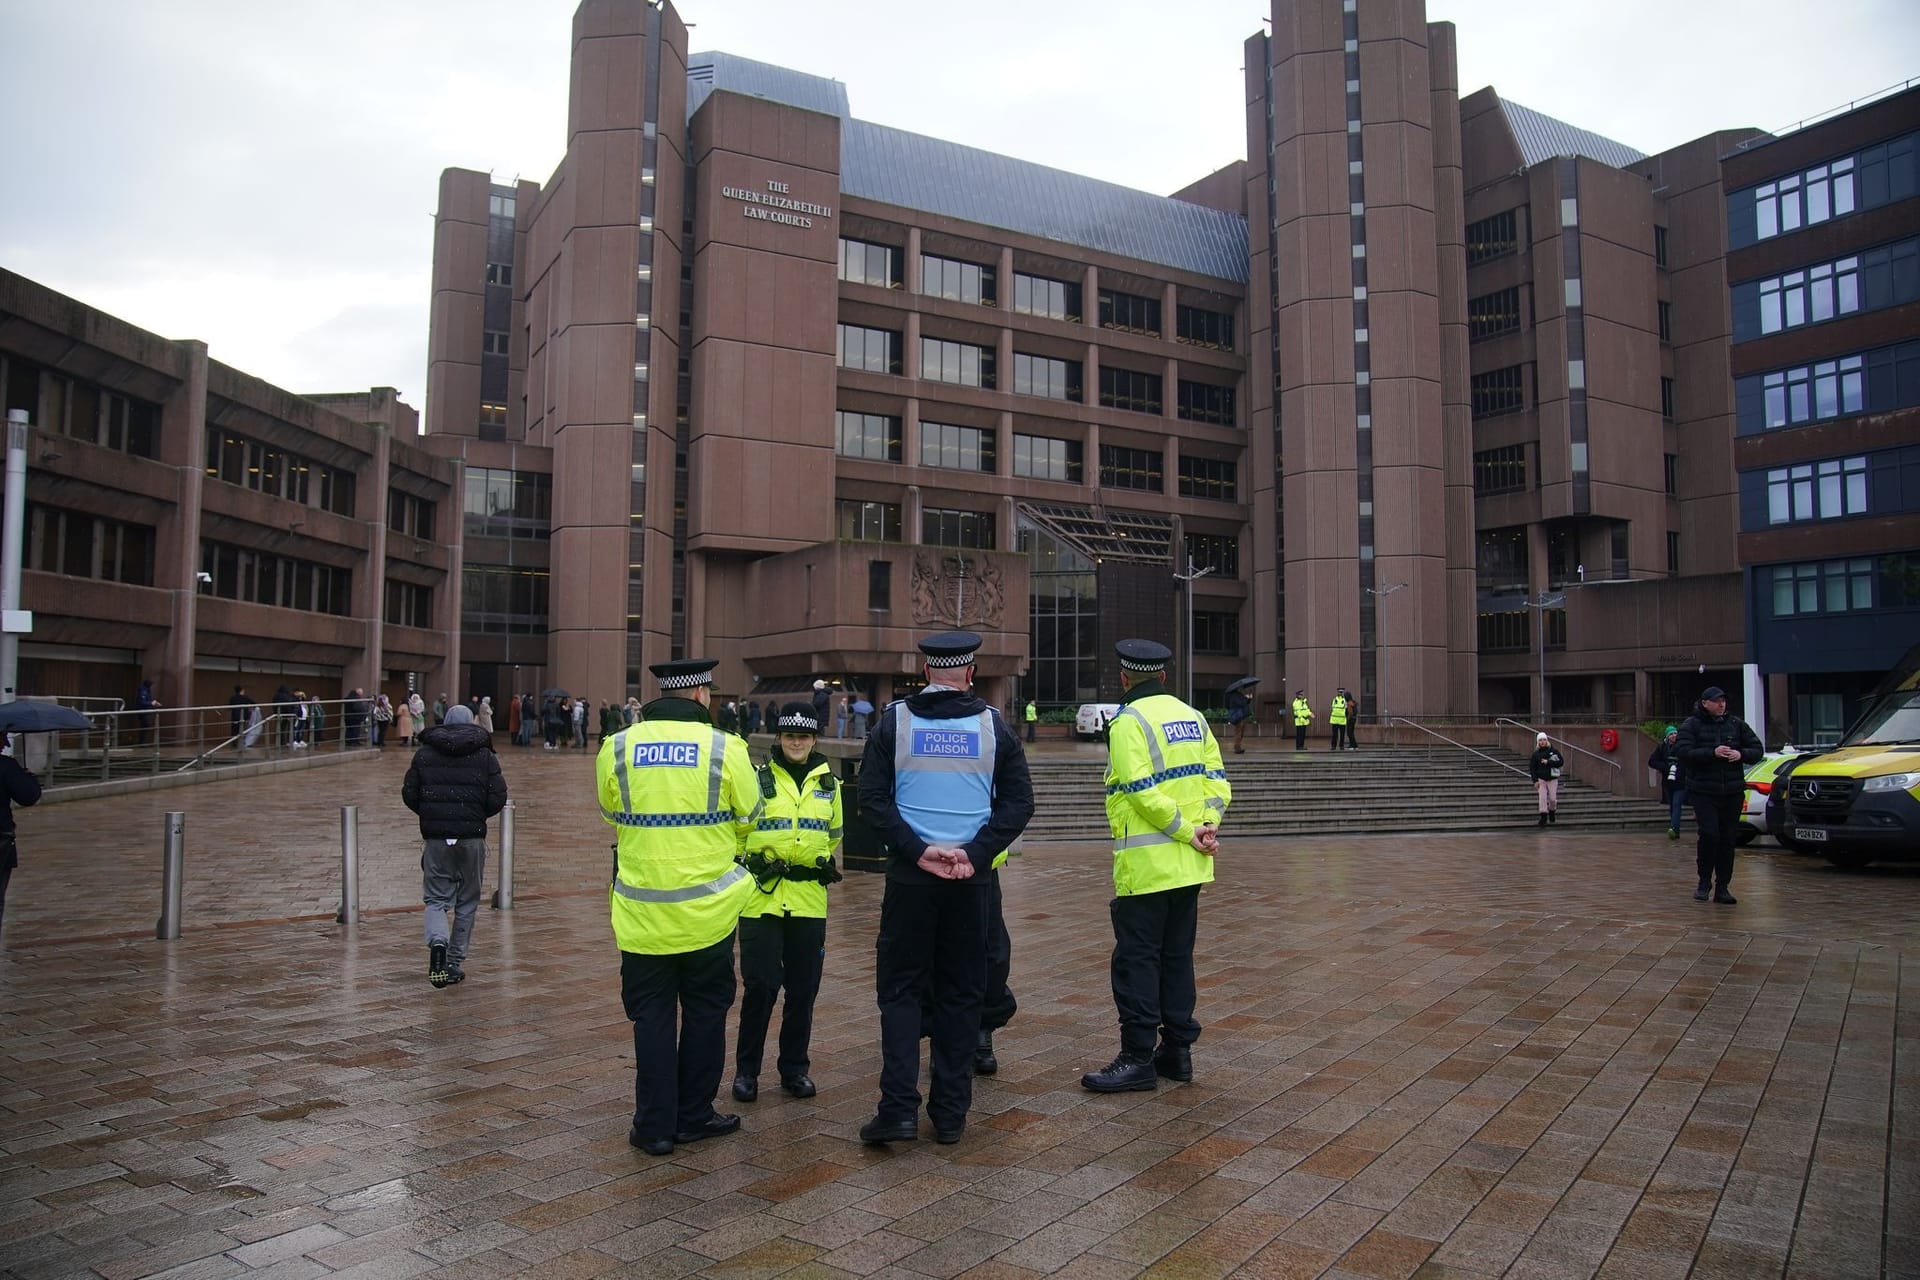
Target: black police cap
797 717
1143 655
684 673
950 649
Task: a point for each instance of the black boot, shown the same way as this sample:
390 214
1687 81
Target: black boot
984 1063
1174 1062
1125 1074
1553 816
1543 819
746 1088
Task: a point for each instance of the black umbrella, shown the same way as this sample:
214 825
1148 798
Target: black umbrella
32 716
556 693
1244 682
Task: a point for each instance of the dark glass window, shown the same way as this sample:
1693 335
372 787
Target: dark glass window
864 262
952 278
283 581
960 363
876 350
1045 376
493 343
1124 468
500 273
946 527
409 604
1500 560
1203 328
1216 478
1498 391
943 444
1673 551
1659 246
1493 237
73 407
1507 632
501 599
1877 381
867 435
879 585
867 521
500 503
1671 469
1129 312
1216 631
1828 586
80 545
269 469
1493 314
1204 402
1666 398
1040 296
1219 552
1045 458
1666 321
1129 389
1502 470
409 514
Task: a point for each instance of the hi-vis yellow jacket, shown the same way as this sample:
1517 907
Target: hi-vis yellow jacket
1164 781
682 795
800 825
1302 711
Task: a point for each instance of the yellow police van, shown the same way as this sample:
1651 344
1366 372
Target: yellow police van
1860 801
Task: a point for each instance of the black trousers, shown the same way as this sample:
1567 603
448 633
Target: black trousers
775 952
676 1077
1300 736
1153 985
933 939
997 1005
6 874
1717 816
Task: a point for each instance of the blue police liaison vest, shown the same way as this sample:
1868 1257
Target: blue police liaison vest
943 775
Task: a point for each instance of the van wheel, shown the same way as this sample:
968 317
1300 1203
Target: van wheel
1849 860
1744 835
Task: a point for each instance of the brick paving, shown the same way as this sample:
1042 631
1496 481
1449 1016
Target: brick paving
1529 1055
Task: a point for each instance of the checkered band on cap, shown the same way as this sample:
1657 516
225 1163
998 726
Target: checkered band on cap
1142 655
686 682
950 649
684 673
951 660
1135 664
792 721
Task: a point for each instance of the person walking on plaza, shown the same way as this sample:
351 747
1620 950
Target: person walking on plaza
455 785
1302 717
822 699
1033 718
682 797
237 718
1167 793
1714 749
1673 778
145 704
783 929
18 786
944 782
382 717
316 722
440 710
1239 709
404 724
1544 768
484 717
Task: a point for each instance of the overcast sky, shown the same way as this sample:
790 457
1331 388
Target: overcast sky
261 174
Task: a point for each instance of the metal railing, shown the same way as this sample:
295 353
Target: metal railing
1414 724
1503 723
123 741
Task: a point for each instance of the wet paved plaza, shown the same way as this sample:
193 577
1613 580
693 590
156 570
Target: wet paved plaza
1529 1055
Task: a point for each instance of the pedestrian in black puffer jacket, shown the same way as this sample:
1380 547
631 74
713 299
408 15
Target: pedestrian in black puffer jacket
455 785
1714 749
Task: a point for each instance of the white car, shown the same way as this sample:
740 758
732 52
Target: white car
1091 720
1753 814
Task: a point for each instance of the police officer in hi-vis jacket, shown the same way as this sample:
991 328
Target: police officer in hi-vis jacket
783 930
1166 795
944 782
682 796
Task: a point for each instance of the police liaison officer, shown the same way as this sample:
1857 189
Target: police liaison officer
682 796
783 930
1166 795
944 781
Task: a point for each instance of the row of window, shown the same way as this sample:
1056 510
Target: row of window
269 469
80 410
1493 314
1502 470
499 503
1843 586
1511 631
409 514
1877 175
409 604
1878 278
87 546
259 577
499 599
1885 482
1498 391
1876 381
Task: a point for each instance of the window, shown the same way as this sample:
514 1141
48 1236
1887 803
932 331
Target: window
1128 389
1215 478
493 343
80 545
1869 281
1493 314
1831 586
1666 321
1493 237
493 420
1666 399
1045 376
1204 402
1502 470
268 469
867 435
499 503
1216 631
1496 392
1670 463
1039 296
867 521
1505 632
1889 172
864 262
1802 199
1200 327
80 410
876 350
409 514
879 585
1673 551
501 599
499 206
1045 458
500 273
1501 560
944 527
962 448
1219 552
1129 312
1659 246
1817 490
1124 468
1878 381
259 577
409 604
961 363
952 278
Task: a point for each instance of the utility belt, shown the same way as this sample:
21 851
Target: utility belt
766 869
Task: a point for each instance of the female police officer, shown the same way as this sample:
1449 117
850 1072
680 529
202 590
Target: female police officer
783 929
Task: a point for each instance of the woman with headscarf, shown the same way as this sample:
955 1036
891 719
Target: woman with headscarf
382 717
484 716
1544 766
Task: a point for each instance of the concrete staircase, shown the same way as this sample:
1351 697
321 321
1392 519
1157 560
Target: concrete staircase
1351 792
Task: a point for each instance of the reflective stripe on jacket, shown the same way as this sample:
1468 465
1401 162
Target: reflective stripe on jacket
801 825
1338 714
1164 781
682 796
1302 711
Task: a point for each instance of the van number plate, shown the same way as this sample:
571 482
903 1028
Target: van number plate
1810 833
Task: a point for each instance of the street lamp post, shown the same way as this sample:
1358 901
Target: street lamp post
1380 646
1188 578
1544 603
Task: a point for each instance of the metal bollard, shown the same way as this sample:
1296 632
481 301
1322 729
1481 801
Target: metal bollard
349 865
173 860
503 892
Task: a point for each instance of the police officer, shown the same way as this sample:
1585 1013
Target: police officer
1337 718
682 797
1302 717
1166 795
944 782
783 930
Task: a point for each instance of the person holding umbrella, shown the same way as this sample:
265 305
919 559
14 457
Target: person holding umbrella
1240 710
17 783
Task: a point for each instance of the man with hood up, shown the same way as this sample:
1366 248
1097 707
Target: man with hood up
455 785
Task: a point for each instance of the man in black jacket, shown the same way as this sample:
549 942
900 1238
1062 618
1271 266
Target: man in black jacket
455 785
1714 750
18 786
944 782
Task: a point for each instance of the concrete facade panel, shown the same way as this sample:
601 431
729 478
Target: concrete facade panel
598 273
606 180
1393 70
1398 165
